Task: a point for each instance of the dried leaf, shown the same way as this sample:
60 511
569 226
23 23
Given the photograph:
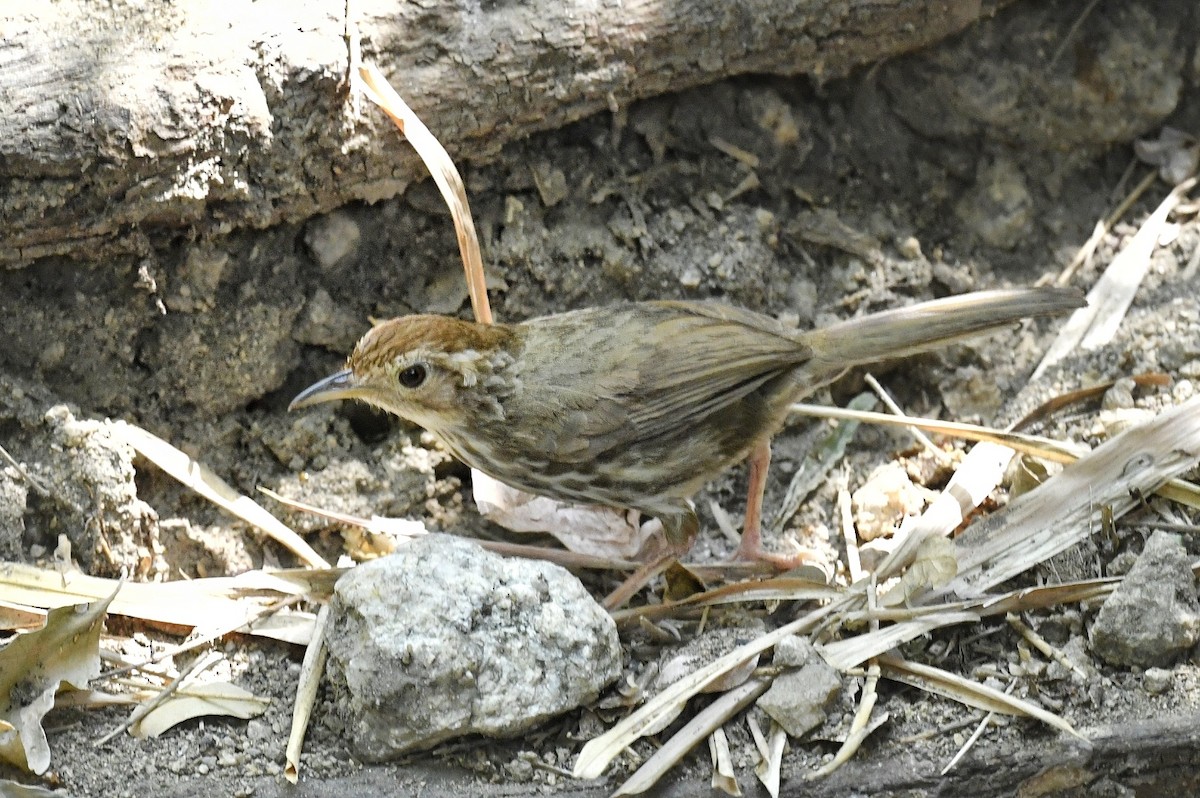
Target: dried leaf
32 668
215 698
217 602
935 565
599 531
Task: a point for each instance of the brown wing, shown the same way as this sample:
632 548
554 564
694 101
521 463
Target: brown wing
635 372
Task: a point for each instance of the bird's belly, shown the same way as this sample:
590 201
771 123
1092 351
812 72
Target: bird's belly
652 479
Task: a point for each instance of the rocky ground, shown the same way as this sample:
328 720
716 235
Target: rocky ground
986 161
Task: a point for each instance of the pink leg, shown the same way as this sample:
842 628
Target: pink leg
751 548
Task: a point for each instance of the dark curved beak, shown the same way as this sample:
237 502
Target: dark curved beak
336 386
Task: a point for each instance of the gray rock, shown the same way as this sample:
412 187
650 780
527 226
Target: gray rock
445 639
797 700
1153 615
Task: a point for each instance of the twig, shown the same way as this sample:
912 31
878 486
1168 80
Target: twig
42 490
1074 29
975 735
1043 645
198 666
921 437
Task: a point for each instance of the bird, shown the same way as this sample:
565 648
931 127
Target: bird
638 405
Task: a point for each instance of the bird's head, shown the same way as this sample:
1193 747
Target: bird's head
428 369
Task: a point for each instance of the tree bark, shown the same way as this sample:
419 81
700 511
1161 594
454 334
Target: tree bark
125 125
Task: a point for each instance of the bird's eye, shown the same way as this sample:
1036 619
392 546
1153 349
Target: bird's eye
413 376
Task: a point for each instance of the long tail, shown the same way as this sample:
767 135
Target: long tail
929 325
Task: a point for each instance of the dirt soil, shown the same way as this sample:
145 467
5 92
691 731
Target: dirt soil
984 162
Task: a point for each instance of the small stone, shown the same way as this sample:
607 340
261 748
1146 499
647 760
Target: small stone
1120 395
909 248
1153 616
326 323
1157 681
794 652
797 701
257 730
551 184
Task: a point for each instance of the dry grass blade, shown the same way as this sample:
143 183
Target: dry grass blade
1181 491
1102 227
401 528
306 695
1036 598
1059 512
853 651
596 755
770 750
1046 448
984 722
1094 325
696 730
199 478
198 665
444 173
1043 645
292 628
965 691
